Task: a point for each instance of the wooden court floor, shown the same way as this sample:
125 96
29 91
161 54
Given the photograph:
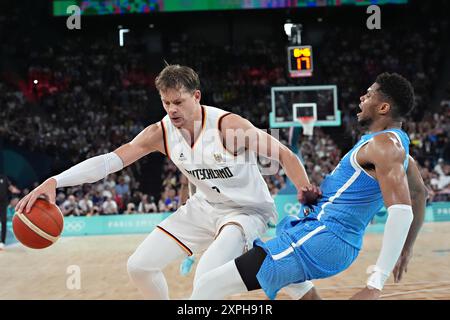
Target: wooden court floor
43 274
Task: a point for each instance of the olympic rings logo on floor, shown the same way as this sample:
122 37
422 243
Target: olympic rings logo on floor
292 208
75 226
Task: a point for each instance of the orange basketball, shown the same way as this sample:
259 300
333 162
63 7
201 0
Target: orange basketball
39 228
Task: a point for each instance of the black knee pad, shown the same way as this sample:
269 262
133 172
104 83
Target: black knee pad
248 266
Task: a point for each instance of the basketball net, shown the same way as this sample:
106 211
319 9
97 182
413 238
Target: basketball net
307 124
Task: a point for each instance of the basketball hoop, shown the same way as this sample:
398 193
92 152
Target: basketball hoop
307 124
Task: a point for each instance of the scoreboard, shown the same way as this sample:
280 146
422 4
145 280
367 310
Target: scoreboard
300 61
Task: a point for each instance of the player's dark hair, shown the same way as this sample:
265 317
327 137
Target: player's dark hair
177 77
398 91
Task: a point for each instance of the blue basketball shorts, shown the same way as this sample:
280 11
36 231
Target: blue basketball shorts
302 250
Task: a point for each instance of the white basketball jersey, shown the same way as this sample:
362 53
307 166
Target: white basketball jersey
221 177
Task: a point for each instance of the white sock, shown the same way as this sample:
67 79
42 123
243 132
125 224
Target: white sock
219 283
297 290
229 245
147 262
209 282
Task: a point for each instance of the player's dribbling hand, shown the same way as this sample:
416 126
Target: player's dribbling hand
309 194
46 189
367 294
402 265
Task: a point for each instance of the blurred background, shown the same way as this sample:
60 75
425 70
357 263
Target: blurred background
69 94
76 82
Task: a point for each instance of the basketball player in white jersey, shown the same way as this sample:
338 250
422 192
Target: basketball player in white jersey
232 204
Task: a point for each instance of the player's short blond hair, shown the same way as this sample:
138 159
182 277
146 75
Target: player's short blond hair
177 77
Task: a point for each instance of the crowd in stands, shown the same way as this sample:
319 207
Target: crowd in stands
87 104
241 83
89 101
117 194
431 147
418 57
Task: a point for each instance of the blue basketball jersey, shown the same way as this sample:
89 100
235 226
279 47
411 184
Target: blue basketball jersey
351 197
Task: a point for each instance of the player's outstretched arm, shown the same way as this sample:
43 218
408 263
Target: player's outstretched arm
240 133
387 155
419 195
97 168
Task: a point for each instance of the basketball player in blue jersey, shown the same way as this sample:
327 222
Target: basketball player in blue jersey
377 171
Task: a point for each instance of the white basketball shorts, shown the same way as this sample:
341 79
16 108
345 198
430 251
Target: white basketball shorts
196 224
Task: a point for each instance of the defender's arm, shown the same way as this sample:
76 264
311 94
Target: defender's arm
387 155
419 194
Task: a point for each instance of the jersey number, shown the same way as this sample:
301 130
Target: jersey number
217 189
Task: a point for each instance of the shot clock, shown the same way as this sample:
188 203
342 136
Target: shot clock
300 61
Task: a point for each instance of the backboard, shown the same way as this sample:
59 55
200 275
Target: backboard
289 102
